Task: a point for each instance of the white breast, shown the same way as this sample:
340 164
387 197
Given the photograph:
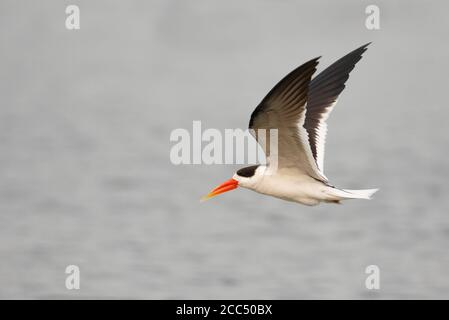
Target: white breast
289 185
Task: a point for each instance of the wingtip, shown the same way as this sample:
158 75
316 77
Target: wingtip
360 50
372 192
365 46
315 60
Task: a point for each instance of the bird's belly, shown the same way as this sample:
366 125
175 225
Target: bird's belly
304 190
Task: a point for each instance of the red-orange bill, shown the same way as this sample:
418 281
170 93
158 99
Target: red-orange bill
229 185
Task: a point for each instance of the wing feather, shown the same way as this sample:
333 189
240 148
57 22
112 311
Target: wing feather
284 109
298 108
324 90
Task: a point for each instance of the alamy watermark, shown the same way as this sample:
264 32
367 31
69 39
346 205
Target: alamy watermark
72 281
230 146
372 281
372 21
72 22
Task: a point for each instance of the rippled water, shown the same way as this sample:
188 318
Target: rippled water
85 176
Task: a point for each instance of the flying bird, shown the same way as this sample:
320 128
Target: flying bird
298 107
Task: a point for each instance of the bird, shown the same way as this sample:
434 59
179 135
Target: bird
298 107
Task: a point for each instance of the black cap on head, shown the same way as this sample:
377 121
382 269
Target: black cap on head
247 172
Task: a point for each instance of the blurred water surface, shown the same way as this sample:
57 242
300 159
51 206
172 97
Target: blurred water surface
85 175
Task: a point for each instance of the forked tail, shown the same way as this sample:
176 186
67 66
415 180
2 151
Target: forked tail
341 194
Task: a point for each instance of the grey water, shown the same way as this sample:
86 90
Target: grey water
86 177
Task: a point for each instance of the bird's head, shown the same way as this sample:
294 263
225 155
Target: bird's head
247 177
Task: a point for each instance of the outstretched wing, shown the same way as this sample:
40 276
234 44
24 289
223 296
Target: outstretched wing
284 109
324 90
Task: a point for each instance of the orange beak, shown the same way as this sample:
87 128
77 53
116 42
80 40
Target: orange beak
229 185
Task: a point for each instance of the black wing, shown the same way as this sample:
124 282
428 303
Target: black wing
324 90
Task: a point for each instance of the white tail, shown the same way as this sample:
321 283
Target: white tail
351 194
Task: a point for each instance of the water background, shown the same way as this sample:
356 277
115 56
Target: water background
86 179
